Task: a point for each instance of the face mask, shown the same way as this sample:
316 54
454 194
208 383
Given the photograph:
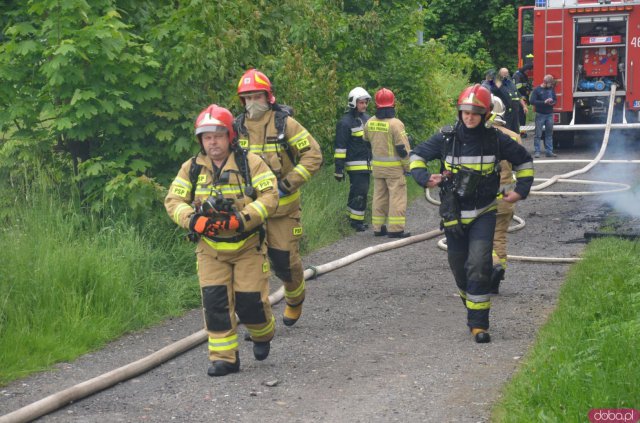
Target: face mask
256 110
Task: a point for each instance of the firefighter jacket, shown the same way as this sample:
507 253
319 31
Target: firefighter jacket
507 180
509 88
229 180
389 144
521 81
478 149
352 152
293 159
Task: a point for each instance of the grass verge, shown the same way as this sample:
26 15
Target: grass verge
586 355
69 284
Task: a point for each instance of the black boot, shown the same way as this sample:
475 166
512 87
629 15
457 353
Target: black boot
223 368
496 276
359 226
382 232
401 234
261 350
481 336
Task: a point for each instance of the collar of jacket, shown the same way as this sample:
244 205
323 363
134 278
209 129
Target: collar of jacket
386 113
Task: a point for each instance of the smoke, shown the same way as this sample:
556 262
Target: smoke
623 145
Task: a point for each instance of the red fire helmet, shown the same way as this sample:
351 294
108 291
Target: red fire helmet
475 99
385 98
215 119
254 80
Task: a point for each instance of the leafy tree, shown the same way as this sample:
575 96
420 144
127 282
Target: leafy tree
486 32
75 79
106 93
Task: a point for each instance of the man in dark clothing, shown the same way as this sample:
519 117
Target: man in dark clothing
512 117
353 154
543 99
469 182
490 84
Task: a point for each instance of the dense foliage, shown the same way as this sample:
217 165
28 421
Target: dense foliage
104 93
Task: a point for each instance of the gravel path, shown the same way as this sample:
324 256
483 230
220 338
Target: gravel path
381 340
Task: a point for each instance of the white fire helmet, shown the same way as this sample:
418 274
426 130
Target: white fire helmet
358 93
497 109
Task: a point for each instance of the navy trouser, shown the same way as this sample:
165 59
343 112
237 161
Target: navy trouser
471 263
358 192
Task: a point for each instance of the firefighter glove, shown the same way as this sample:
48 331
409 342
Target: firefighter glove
227 222
200 224
339 176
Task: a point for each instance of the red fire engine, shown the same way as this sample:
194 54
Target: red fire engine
587 46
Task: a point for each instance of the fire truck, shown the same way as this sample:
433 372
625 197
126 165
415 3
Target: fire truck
588 47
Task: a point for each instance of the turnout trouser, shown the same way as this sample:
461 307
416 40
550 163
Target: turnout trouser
283 240
358 192
470 261
389 203
234 282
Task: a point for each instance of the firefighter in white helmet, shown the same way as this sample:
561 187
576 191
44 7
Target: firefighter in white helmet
506 209
390 151
353 154
224 195
268 129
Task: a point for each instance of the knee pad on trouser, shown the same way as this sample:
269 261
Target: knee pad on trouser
288 268
223 341
280 263
215 301
252 313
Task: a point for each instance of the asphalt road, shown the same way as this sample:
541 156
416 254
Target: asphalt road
383 339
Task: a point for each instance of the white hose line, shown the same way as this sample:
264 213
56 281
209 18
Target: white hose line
603 148
442 244
91 386
587 161
622 187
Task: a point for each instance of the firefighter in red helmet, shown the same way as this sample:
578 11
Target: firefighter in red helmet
469 181
269 130
224 195
390 162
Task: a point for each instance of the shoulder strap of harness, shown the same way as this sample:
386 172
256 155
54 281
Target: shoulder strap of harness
282 113
240 155
194 172
449 134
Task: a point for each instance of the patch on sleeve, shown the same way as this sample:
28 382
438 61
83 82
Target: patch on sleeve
179 191
265 185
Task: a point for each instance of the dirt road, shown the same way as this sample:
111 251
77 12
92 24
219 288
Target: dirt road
381 340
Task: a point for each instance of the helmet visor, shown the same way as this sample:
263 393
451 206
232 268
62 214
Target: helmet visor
211 128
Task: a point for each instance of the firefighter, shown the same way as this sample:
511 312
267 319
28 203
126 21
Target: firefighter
390 160
234 193
268 129
353 154
516 104
505 210
469 181
523 85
